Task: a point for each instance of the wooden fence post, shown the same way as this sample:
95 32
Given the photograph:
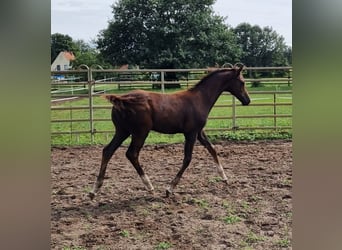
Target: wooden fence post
91 110
275 110
234 113
162 81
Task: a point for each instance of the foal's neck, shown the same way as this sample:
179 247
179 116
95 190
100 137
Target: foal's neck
211 88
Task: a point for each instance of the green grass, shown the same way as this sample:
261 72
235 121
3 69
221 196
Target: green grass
157 138
283 243
163 245
200 202
250 239
73 248
231 219
124 233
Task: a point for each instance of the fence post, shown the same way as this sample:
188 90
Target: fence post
275 110
91 111
162 81
234 113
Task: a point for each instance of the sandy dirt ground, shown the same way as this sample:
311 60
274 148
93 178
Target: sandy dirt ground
253 212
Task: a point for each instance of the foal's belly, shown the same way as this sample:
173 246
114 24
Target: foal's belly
177 125
167 128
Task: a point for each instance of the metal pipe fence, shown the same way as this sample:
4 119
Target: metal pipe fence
77 109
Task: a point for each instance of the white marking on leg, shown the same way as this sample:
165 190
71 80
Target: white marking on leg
221 172
174 182
97 186
147 182
169 191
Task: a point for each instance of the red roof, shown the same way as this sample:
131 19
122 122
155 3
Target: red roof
125 66
69 55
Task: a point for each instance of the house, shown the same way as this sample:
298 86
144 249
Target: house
62 61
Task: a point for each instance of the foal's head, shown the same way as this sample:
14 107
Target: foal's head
237 86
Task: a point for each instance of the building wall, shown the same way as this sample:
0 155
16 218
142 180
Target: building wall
60 63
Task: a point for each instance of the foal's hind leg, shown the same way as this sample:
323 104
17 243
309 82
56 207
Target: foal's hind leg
132 154
107 153
205 142
188 148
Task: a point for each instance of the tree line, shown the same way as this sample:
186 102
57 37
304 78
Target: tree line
175 34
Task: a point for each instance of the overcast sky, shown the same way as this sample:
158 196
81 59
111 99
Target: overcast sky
83 19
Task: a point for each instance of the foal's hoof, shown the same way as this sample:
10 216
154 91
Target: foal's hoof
226 182
168 192
91 195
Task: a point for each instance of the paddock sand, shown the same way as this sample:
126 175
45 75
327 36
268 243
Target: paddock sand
253 212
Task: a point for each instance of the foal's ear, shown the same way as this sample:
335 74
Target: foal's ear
239 67
239 70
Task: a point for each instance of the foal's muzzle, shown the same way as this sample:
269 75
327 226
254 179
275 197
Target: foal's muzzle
246 101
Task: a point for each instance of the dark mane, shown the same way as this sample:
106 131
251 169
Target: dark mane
204 79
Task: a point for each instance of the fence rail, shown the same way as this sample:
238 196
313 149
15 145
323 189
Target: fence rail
82 117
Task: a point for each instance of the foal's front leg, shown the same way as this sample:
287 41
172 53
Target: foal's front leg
205 142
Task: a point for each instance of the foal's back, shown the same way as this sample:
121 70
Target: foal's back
166 113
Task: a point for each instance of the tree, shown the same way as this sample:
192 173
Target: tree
167 34
288 54
60 42
261 46
85 54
